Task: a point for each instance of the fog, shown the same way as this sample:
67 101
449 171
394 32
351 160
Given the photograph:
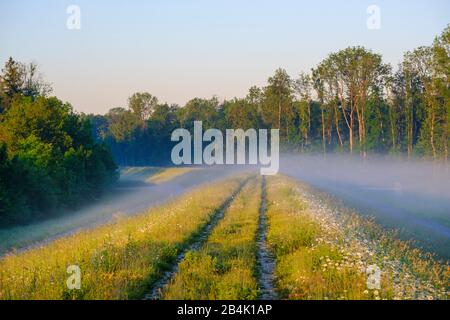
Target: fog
127 197
410 196
407 195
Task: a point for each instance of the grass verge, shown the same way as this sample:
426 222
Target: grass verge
119 260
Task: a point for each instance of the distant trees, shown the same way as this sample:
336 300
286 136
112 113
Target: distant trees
48 157
350 102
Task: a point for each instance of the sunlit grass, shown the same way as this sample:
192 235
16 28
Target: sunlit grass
118 260
225 267
155 175
26 235
168 174
323 255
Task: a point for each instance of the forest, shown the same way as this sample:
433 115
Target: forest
49 161
351 102
52 158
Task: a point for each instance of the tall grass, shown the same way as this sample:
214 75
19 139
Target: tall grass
225 267
323 255
118 260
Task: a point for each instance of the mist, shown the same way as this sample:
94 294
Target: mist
410 196
128 197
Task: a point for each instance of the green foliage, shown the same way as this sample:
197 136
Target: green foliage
49 160
351 101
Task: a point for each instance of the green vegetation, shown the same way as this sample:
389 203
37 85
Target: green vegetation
48 158
118 260
321 251
225 267
351 102
324 255
154 175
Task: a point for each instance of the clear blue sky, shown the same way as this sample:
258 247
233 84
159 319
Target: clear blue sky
179 49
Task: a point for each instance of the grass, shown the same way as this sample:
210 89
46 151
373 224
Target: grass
322 252
225 267
25 235
118 260
155 175
321 249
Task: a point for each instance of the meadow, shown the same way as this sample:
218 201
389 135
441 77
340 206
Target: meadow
119 260
319 248
323 251
115 202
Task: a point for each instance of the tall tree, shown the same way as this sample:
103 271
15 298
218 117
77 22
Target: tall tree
278 102
142 104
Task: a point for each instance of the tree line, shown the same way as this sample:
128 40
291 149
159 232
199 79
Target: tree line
351 102
49 160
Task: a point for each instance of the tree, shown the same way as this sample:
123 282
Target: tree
352 73
278 102
12 78
241 114
122 123
441 64
21 79
50 160
142 104
302 87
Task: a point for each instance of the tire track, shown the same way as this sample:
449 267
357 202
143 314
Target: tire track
200 239
265 259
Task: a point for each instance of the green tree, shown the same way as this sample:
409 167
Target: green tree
142 104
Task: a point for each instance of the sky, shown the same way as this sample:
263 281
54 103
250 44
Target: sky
181 49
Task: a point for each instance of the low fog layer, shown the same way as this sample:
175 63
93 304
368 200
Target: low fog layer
408 195
128 197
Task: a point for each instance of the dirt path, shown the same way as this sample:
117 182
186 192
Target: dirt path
197 243
265 260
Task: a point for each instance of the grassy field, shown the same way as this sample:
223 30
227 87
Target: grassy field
119 260
323 251
319 248
25 235
225 267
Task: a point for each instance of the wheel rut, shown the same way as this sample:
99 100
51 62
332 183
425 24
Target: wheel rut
265 259
158 287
